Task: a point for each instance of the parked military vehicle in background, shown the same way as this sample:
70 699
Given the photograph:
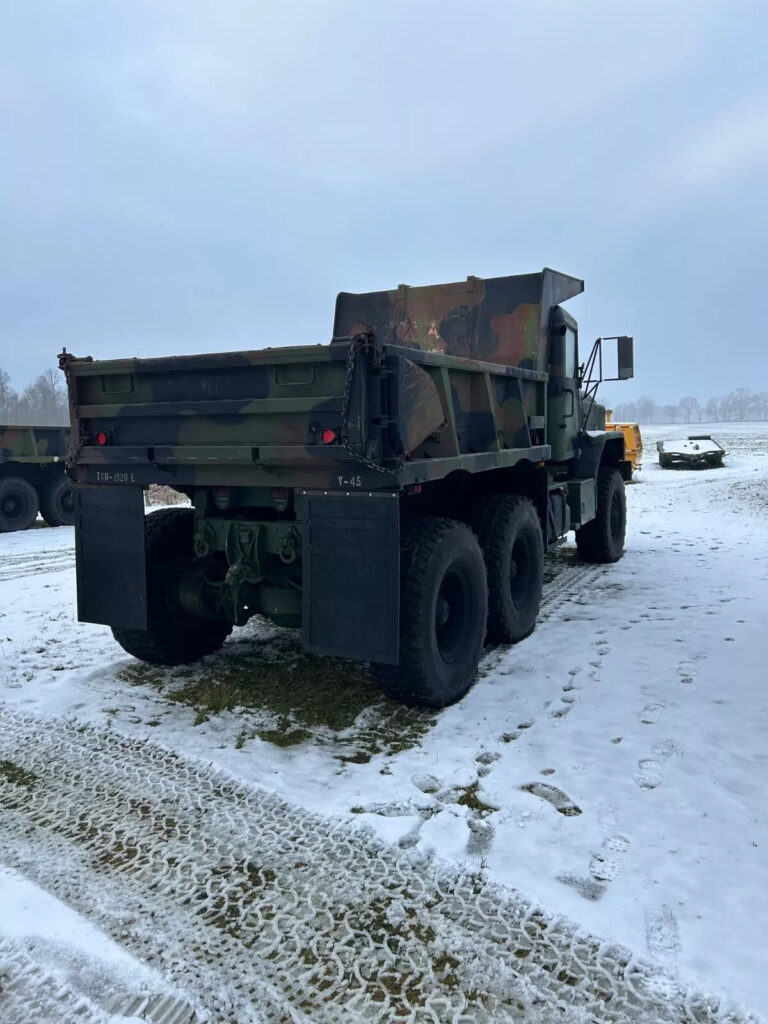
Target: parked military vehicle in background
392 493
32 477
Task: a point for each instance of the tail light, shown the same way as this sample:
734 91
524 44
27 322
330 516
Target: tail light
221 497
329 436
102 438
280 497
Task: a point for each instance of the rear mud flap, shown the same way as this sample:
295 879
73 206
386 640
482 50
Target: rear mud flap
111 566
351 569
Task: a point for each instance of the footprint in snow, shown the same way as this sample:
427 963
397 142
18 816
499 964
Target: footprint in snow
650 770
650 714
559 800
426 783
648 774
608 862
605 864
662 935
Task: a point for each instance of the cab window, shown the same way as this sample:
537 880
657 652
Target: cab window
570 352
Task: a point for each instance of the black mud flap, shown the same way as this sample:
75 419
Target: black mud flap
351 584
111 567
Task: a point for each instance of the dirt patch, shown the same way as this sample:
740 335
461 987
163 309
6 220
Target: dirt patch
17 775
287 697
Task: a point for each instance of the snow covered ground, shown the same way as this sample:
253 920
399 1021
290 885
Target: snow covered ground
604 778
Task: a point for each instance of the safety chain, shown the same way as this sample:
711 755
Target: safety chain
76 436
357 344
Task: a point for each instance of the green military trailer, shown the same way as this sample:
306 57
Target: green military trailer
32 477
391 493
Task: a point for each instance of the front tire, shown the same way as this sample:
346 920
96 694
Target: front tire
509 531
602 539
443 610
57 502
18 504
172 637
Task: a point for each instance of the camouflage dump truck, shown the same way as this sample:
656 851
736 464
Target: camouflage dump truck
32 477
391 493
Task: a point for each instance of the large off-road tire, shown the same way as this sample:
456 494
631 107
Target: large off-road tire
173 637
509 531
602 539
57 502
443 609
18 504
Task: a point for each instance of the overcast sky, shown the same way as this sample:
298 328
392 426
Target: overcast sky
188 176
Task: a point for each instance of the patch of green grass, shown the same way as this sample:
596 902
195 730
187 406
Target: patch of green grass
291 697
17 775
469 798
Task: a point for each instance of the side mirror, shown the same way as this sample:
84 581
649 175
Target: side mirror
625 346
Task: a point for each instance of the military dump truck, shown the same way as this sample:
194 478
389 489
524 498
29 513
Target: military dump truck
32 477
391 493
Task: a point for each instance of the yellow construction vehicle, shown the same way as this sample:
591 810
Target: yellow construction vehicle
633 442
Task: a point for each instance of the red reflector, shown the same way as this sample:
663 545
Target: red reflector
328 436
101 438
221 497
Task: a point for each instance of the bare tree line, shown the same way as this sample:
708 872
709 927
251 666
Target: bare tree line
43 402
737 406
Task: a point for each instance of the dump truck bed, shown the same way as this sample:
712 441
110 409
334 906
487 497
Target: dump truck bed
351 414
33 444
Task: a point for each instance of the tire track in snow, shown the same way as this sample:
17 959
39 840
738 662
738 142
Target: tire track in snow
36 563
569 581
266 913
33 994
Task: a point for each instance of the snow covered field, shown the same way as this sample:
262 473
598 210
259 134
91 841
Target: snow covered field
582 838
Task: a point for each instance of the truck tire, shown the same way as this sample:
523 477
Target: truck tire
172 637
509 531
57 502
602 539
443 610
18 504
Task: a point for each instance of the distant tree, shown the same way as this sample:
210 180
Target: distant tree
741 401
712 410
646 408
761 405
689 407
670 413
44 401
8 398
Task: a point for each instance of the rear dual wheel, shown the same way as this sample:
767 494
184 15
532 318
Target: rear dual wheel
172 636
509 532
57 502
443 610
456 584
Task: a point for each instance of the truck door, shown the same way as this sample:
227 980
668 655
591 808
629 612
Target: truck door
563 393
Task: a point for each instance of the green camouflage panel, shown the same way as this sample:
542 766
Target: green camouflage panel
500 320
304 417
34 445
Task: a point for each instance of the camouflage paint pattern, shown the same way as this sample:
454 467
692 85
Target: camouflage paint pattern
500 320
34 445
259 418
